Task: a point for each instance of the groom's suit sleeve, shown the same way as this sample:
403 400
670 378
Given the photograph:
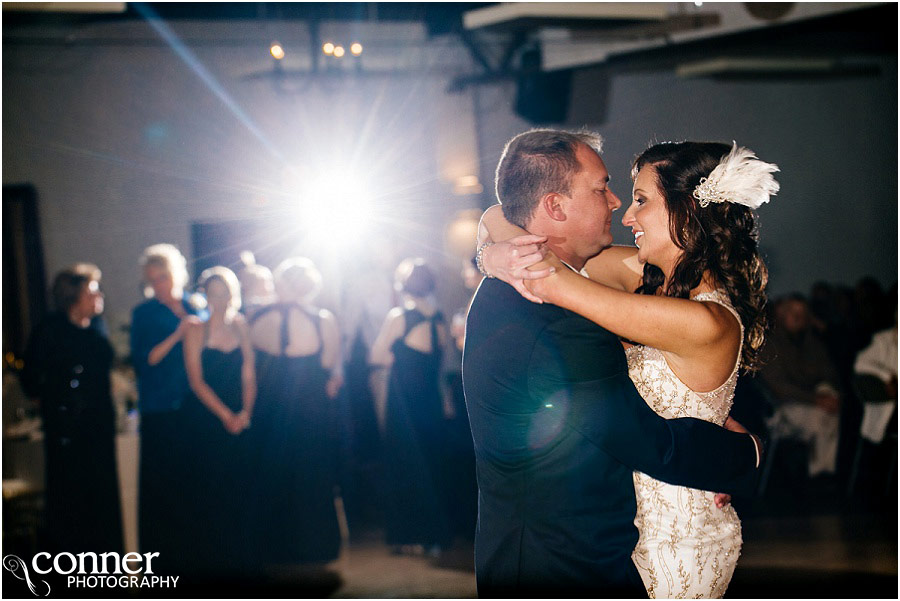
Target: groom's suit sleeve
579 368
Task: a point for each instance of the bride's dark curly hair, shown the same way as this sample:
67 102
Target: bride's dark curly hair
721 238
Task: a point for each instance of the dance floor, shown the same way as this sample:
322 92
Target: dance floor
831 555
819 553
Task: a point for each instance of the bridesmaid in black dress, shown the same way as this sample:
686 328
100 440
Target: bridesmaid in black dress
410 343
67 369
220 366
298 361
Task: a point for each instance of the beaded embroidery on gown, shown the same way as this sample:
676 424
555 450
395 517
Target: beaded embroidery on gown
688 547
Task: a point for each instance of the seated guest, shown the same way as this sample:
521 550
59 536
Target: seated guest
804 383
879 359
879 362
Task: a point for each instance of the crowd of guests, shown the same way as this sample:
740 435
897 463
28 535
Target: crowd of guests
238 384
239 424
830 358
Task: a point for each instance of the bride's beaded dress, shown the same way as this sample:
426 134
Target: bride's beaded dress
688 547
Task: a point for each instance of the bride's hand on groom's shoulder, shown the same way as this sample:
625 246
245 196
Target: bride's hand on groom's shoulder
510 261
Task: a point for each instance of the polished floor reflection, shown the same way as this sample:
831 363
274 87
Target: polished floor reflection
828 555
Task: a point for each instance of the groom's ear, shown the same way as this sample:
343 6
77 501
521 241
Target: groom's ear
554 206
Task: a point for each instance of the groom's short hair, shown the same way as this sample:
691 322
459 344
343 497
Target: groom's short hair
535 163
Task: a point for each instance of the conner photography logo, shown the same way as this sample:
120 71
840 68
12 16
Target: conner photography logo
89 570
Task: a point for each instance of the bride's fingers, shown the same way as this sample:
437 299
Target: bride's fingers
524 250
528 260
537 274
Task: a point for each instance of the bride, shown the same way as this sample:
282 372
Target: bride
698 316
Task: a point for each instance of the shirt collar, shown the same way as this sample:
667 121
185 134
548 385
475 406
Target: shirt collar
582 271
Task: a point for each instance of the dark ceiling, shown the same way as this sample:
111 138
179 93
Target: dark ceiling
440 17
870 30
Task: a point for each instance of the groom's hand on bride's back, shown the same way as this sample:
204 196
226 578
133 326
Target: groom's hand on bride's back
735 426
723 499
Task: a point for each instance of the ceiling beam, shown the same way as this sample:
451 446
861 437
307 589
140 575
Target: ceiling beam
585 12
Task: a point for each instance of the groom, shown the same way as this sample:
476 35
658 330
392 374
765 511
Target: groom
557 424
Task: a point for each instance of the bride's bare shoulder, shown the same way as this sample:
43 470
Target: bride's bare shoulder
616 266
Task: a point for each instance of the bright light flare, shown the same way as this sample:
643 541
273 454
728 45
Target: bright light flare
328 48
336 210
339 51
277 51
356 49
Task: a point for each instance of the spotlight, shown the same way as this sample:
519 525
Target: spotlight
277 51
328 48
336 209
356 49
339 51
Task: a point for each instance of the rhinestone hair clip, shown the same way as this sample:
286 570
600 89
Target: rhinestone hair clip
707 192
740 178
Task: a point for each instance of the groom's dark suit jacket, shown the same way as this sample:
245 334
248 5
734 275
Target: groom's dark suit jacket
558 430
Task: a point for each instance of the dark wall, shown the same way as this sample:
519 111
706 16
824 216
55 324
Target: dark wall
835 141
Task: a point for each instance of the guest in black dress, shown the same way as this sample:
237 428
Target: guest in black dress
219 361
157 329
67 369
298 365
410 343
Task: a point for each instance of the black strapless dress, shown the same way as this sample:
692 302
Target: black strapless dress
219 466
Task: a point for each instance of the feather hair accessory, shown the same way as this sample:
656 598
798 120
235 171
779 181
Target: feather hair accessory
740 178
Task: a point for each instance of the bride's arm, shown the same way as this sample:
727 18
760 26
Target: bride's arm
511 258
514 249
686 328
615 266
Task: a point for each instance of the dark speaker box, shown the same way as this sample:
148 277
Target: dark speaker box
543 97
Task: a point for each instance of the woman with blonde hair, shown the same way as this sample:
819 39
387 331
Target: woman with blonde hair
298 365
257 284
157 331
220 367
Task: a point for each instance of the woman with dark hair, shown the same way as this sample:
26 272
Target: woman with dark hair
219 362
410 344
298 366
698 316
157 330
67 369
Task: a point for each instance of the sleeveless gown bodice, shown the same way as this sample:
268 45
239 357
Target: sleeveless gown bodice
688 547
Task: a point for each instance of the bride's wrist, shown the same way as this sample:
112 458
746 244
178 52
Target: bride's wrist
545 288
480 257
